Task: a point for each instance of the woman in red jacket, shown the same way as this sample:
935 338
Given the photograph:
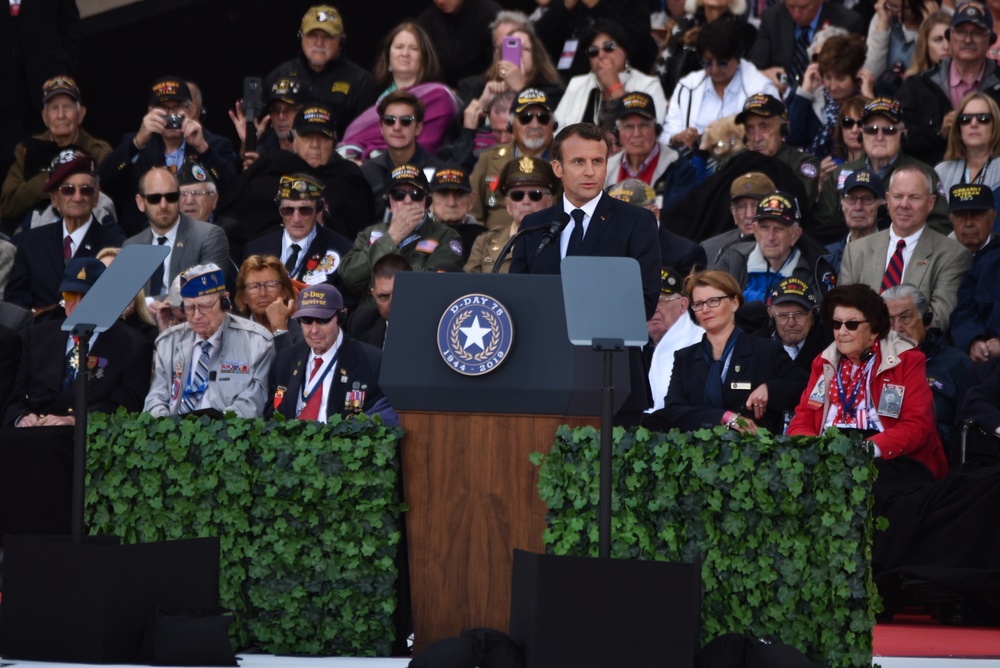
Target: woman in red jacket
874 381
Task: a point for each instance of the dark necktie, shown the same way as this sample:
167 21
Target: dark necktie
67 248
894 272
190 401
311 410
800 57
293 259
576 234
156 280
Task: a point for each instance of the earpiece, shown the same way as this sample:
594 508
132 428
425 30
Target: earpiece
341 316
203 115
783 130
867 355
225 303
928 317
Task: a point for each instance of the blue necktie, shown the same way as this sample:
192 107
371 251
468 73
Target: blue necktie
191 400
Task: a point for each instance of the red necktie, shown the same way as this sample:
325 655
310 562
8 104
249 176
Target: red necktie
894 272
68 248
311 410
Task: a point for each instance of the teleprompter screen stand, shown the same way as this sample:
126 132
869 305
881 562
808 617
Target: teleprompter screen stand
89 600
593 613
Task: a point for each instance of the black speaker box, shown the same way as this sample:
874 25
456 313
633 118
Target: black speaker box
594 613
91 602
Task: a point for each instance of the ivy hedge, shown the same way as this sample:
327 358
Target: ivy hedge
782 526
306 514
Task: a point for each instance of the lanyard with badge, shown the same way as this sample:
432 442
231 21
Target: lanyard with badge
318 385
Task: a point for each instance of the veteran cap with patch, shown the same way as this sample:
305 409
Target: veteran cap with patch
526 171
882 106
635 103
780 207
169 88
80 274
864 178
409 174
192 173
633 191
793 290
60 85
202 280
315 118
298 186
288 90
751 184
763 105
68 162
970 197
450 177
671 282
530 97
318 301
973 12
325 18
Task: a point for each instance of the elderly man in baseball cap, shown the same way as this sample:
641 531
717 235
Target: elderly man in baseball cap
215 361
328 373
745 193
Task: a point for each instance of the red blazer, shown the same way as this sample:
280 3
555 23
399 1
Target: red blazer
913 433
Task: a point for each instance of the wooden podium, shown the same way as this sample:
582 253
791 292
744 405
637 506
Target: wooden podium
467 478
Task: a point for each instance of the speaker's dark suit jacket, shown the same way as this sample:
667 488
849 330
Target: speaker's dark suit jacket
39 265
357 363
775 41
616 229
755 361
322 257
126 356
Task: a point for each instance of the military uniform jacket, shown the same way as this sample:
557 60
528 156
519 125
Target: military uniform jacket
240 365
430 247
354 378
487 203
486 251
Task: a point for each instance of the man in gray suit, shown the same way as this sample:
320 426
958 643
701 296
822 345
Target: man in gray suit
929 260
191 242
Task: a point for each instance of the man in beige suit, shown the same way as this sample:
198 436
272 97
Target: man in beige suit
909 251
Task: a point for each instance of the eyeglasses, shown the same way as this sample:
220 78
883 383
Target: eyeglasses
400 195
533 195
636 127
607 47
667 300
847 122
851 325
711 302
965 119
887 130
794 316
708 63
306 320
405 121
194 193
975 35
851 200
254 288
543 117
154 198
289 211
67 190
203 309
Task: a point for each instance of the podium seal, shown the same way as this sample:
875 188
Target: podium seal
475 334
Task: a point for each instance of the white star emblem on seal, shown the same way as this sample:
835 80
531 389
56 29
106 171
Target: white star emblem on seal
474 334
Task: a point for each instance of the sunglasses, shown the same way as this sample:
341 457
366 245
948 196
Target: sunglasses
888 130
847 122
400 195
406 121
607 47
851 325
533 195
67 189
543 117
289 211
965 119
154 198
306 320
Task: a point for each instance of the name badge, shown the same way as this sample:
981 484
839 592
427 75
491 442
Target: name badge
739 386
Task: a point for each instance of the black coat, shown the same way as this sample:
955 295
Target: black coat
680 253
325 241
123 380
755 361
617 229
357 363
775 43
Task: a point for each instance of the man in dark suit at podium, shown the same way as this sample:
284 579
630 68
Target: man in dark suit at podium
599 225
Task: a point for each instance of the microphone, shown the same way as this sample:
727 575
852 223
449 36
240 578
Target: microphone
556 227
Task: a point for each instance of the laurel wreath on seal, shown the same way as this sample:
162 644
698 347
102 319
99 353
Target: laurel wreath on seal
456 346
